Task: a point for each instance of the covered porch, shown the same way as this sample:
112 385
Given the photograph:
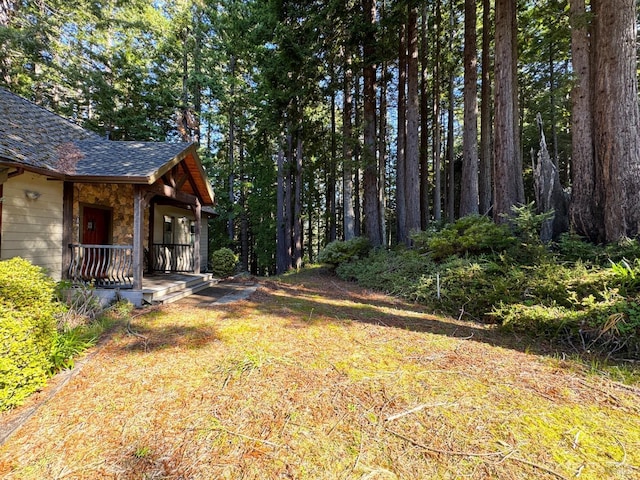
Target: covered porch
121 235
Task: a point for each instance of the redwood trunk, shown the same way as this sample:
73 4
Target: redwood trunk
583 206
469 180
508 184
371 203
412 162
616 117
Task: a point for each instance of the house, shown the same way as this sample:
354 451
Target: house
93 210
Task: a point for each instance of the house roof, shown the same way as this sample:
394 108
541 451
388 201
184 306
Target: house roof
36 139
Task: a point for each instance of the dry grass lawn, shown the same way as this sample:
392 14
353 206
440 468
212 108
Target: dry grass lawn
314 378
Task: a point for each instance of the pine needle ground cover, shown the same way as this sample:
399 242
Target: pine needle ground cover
315 378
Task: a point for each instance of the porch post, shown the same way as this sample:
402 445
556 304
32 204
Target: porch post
138 246
67 227
197 211
152 218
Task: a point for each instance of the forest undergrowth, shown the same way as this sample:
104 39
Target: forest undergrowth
583 298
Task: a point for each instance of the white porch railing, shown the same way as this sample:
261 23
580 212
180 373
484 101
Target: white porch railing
106 266
172 257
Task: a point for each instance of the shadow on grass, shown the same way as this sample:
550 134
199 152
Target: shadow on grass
154 334
319 293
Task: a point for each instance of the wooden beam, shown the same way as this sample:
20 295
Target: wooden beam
67 227
183 178
170 192
138 233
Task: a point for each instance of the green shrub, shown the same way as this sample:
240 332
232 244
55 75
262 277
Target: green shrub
396 271
26 288
339 251
24 363
473 235
223 262
27 329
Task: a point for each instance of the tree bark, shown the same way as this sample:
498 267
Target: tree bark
412 163
371 202
450 197
616 117
232 134
297 206
486 163
550 195
281 218
583 209
331 184
382 154
347 151
437 154
425 215
508 182
401 202
469 180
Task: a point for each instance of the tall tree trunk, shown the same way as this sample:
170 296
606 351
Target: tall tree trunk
424 128
331 184
244 220
401 202
437 138
288 196
371 203
583 210
412 163
451 166
382 154
508 182
282 257
357 154
232 134
469 180
552 105
486 164
616 117
197 69
347 150
297 206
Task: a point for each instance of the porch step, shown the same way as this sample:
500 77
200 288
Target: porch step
171 290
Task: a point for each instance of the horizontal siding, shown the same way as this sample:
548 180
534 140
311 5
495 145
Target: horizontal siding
32 229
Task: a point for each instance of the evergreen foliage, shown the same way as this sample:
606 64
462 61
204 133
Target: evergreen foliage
223 262
339 252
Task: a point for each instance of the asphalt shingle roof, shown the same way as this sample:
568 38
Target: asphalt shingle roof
35 137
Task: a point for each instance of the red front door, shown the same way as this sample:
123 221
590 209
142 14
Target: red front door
96 223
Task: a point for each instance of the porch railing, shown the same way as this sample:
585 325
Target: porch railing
106 266
172 257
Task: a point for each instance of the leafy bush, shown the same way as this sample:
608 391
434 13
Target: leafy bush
24 364
473 234
339 252
27 330
223 262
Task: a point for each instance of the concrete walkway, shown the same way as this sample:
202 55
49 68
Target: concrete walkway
220 294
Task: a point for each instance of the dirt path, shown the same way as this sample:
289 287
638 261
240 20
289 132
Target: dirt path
314 378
